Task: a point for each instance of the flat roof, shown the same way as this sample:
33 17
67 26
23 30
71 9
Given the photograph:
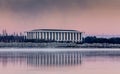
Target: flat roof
52 30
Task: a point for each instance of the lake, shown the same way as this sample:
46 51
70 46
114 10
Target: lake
48 63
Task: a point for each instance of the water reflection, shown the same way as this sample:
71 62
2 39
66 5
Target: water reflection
41 58
66 58
60 62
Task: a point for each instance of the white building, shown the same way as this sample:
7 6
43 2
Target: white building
55 34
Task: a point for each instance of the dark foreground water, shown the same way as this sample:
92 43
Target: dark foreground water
57 63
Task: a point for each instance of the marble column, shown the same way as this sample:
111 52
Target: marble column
31 35
76 37
55 36
39 35
58 36
79 37
52 35
61 36
35 35
42 35
64 36
49 35
67 36
70 36
45 35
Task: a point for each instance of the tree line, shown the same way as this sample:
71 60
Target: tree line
94 39
88 39
11 38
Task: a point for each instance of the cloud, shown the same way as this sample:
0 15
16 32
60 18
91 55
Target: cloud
33 6
87 14
40 5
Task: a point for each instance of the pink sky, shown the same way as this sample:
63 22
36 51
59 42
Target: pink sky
93 18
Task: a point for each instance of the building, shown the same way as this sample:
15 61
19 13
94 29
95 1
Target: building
55 34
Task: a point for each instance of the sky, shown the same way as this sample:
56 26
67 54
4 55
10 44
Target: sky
95 17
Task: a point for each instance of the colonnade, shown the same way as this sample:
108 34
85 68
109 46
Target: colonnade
57 36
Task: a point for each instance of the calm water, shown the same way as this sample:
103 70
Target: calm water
32 65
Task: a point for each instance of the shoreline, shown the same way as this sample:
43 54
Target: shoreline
83 52
57 45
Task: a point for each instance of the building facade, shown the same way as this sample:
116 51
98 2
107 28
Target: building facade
55 34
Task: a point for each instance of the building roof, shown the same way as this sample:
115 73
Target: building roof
53 30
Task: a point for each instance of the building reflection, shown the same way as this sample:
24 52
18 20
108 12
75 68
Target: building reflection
41 58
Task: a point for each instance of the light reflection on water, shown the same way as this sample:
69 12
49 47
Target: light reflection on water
44 63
